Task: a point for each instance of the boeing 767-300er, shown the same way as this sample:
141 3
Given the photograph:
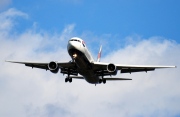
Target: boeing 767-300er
82 63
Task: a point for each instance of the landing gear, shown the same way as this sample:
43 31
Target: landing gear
70 80
102 80
67 79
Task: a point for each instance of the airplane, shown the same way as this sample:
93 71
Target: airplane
83 66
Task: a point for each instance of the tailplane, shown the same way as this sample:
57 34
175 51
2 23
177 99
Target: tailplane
99 54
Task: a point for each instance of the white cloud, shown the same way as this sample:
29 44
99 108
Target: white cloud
4 3
34 93
7 20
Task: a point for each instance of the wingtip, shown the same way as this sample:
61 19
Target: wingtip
7 61
10 61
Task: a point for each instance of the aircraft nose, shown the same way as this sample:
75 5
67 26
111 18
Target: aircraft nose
71 45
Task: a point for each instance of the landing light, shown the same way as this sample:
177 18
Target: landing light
74 56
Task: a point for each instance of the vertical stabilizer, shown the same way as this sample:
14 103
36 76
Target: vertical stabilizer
99 54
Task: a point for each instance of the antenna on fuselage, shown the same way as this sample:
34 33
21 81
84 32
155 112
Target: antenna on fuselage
99 54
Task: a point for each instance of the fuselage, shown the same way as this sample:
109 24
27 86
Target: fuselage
81 56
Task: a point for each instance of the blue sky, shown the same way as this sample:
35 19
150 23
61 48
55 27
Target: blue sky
120 17
131 32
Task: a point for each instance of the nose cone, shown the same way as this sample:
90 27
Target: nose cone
74 43
71 45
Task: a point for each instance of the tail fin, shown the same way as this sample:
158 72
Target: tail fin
99 54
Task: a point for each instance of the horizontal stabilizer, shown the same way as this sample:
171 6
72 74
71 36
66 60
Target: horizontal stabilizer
117 79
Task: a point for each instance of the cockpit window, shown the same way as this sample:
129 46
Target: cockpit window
75 40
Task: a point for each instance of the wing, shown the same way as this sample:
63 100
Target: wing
128 68
66 67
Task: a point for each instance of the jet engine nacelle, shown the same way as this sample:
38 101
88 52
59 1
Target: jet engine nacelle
111 68
53 67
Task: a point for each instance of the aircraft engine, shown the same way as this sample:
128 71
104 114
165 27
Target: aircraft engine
111 68
53 67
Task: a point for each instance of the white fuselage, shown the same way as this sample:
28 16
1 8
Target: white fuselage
83 59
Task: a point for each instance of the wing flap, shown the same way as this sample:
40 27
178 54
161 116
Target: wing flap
130 70
37 66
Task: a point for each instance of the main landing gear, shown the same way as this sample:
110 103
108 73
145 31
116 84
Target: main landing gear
67 79
102 80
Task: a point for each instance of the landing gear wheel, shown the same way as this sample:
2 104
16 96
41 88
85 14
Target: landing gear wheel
70 80
66 79
100 81
104 81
